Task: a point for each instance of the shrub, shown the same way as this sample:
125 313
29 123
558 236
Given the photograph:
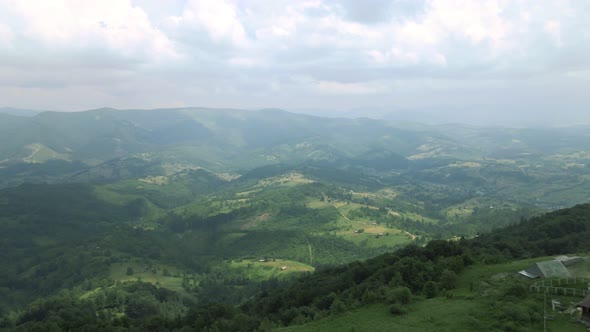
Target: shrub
396 309
401 295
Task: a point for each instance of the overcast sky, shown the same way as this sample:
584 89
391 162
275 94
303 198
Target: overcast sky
477 59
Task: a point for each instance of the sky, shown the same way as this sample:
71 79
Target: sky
457 60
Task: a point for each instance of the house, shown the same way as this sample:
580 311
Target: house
283 268
547 269
585 305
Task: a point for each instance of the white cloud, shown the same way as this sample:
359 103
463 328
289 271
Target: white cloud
243 61
69 25
6 35
553 29
218 17
339 88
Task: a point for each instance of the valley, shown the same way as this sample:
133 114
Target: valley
156 213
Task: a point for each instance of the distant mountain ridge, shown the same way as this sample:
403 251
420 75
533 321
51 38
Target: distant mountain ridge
103 134
18 111
233 139
551 163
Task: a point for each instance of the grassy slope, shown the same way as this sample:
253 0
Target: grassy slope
256 270
462 312
118 272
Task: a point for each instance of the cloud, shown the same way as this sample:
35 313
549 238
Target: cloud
553 29
399 54
70 25
6 35
332 87
219 18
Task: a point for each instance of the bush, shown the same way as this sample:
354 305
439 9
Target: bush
448 279
396 309
516 290
400 295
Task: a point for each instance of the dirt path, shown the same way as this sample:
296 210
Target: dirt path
343 216
412 236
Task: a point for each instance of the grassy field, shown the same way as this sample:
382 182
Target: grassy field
438 314
418 217
258 271
376 236
118 272
467 208
372 235
41 153
287 180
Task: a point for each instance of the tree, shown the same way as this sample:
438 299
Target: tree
338 306
430 290
129 271
448 279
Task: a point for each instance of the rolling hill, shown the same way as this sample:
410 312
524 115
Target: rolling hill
120 217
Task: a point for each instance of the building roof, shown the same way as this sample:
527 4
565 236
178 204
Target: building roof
586 302
528 275
553 269
546 269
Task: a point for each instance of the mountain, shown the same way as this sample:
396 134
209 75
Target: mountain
542 166
227 137
176 217
18 111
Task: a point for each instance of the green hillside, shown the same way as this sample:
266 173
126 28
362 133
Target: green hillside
243 220
446 285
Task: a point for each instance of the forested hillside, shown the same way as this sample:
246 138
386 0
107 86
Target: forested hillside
229 219
402 278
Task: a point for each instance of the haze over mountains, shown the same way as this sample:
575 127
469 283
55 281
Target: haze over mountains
478 115
97 144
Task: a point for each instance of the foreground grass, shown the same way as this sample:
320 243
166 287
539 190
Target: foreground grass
429 315
481 290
